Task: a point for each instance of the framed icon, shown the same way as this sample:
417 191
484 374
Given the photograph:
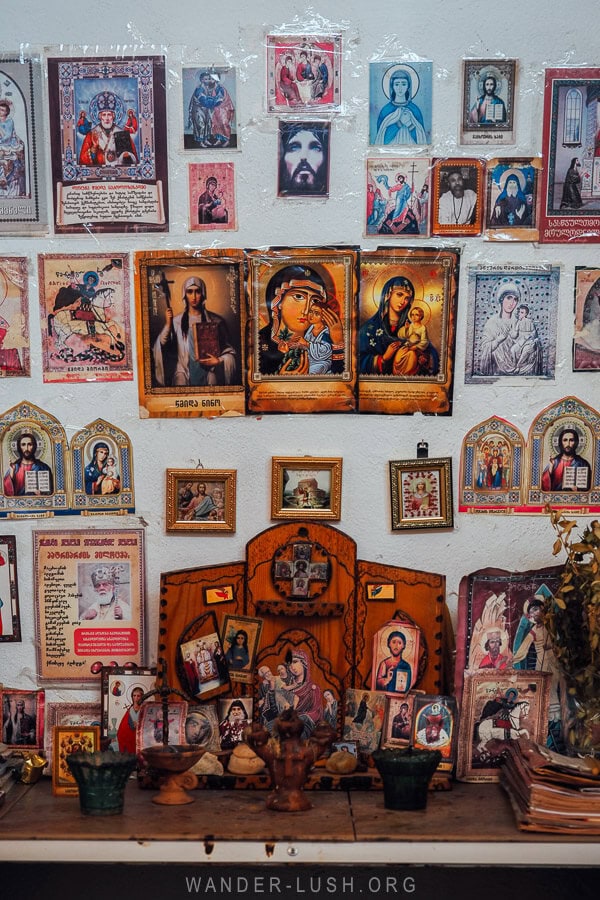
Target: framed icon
200 500
421 492
306 487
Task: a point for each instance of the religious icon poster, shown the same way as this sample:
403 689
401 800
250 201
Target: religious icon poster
396 649
212 196
492 468
190 312
34 463
102 470
108 143
457 196
397 200
512 208
364 717
563 444
570 204
23 207
303 72
586 341
89 601
22 719
488 102
303 161
10 621
122 692
400 101
398 720
407 323
302 357
209 108
501 624
84 306
512 322
14 316
498 708
73 715
150 729
201 662
435 727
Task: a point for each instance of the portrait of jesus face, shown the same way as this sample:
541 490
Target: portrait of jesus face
304 158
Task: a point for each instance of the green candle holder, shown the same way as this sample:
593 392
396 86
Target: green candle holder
406 774
101 778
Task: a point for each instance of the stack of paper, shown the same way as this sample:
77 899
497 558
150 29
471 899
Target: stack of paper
550 792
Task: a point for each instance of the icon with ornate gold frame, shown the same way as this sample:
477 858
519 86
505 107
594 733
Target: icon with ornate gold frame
200 500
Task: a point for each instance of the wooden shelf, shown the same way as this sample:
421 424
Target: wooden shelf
344 824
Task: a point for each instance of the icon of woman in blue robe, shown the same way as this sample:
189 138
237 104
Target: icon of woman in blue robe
400 122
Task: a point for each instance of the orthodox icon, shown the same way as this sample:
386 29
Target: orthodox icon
209 108
84 304
364 716
212 197
303 169
435 727
586 340
400 103
22 718
108 142
398 721
201 500
14 316
240 637
396 657
123 689
200 660
512 210
190 319
397 197
22 173
407 326
33 451
511 329
492 473
570 205
495 710
488 112
421 493
302 356
457 202
303 72
102 469
563 456
66 740
151 728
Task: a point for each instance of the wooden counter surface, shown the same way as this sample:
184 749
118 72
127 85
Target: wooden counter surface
467 813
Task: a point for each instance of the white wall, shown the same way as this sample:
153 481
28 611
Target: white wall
234 30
